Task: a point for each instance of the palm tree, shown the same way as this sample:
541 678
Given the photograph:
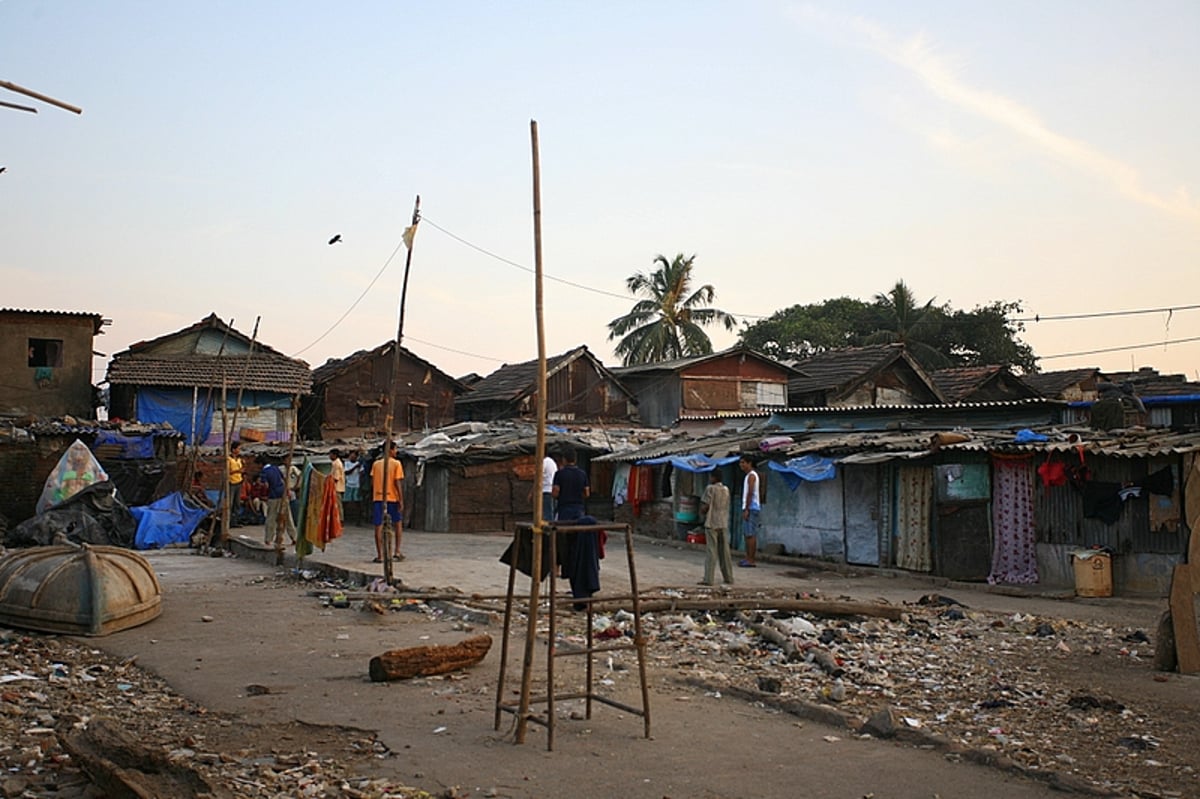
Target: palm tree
902 321
667 323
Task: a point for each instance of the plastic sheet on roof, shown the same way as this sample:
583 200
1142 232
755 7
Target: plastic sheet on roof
806 468
690 463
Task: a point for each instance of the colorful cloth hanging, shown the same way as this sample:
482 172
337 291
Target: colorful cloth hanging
1014 550
913 514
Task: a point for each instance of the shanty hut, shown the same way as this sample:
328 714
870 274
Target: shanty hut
350 396
579 389
209 381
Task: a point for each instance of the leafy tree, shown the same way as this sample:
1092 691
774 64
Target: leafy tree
936 335
668 322
987 336
802 330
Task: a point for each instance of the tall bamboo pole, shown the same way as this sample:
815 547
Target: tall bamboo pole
537 532
410 234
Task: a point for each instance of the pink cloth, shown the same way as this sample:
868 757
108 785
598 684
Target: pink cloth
1014 551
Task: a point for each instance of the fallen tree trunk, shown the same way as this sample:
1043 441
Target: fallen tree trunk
817 607
425 661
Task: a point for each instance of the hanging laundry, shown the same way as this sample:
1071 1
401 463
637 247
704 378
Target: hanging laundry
1014 554
1159 482
1129 492
1102 500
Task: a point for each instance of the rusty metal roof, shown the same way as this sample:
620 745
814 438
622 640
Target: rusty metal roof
98 321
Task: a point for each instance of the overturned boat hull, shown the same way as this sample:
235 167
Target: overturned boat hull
77 590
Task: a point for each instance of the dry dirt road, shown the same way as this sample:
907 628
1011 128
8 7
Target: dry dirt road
285 673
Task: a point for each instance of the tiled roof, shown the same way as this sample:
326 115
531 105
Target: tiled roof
832 369
336 366
1053 384
961 382
97 320
511 382
262 372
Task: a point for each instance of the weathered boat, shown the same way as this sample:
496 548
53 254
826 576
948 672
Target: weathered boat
77 589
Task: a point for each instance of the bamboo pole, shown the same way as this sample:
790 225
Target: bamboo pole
245 376
537 532
410 234
12 87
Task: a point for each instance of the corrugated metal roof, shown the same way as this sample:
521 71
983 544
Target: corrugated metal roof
874 447
61 428
98 321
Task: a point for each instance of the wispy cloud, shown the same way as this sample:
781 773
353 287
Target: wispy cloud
918 55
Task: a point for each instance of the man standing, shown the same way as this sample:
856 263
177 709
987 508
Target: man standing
278 516
714 505
353 474
570 489
337 473
391 500
750 508
549 469
236 476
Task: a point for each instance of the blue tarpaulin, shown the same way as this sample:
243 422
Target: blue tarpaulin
812 468
690 463
174 406
132 447
170 520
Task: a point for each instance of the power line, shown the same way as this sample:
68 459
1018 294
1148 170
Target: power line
1103 314
354 304
1119 349
581 286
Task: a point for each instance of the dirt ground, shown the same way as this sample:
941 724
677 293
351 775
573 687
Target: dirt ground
268 696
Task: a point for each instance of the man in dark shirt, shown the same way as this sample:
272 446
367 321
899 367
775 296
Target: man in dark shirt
279 515
571 488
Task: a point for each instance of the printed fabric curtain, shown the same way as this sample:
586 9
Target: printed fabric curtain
1014 550
914 511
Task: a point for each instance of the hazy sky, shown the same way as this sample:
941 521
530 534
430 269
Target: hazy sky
1036 151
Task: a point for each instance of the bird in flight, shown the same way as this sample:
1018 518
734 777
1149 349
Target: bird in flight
336 239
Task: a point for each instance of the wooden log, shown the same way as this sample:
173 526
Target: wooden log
125 769
817 607
425 661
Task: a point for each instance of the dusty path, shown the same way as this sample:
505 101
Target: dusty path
311 660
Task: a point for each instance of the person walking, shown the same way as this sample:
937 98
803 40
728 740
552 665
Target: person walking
750 509
390 500
714 507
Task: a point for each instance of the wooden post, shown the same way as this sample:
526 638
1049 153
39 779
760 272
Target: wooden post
538 531
410 234
12 87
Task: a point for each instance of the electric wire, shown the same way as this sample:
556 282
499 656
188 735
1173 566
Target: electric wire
1036 318
354 304
1119 349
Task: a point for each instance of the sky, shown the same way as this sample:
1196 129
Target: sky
1019 151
